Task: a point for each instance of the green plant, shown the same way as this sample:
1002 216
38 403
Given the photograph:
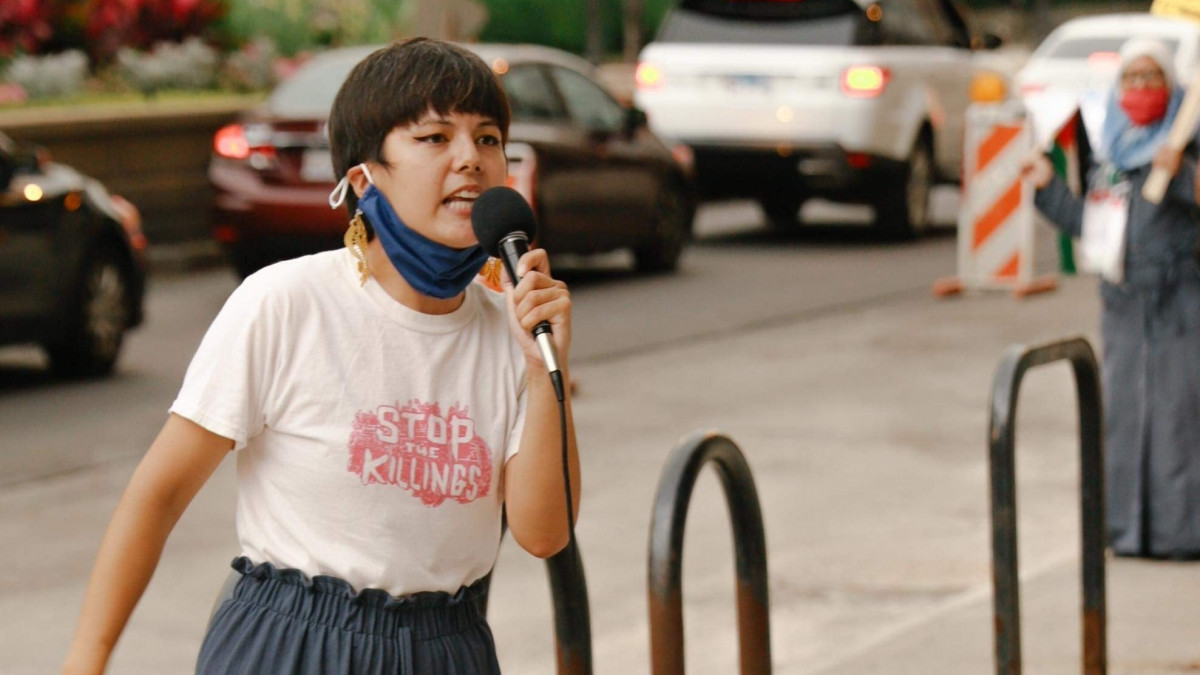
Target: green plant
190 64
551 22
50 75
252 67
295 26
112 25
653 13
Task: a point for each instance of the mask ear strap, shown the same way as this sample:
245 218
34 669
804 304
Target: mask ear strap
338 196
339 193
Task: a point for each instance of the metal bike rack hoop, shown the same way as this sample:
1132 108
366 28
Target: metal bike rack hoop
666 553
1006 388
572 617
572 622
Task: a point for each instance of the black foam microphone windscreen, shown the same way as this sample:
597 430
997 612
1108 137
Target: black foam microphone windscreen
498 213
504 224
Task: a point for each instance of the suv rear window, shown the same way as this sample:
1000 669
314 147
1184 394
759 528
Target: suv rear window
1081 48
773 22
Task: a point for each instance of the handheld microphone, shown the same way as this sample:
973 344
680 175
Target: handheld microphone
504 224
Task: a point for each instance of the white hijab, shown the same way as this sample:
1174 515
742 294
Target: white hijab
1158 50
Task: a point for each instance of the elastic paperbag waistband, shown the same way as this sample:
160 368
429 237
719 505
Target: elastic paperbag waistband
331 601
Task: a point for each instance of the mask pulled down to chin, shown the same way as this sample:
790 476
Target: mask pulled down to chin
431 268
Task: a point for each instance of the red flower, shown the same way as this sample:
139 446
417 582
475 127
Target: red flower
24 25
113 24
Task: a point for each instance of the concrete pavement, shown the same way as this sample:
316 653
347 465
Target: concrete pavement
867 433
1153 626
866 429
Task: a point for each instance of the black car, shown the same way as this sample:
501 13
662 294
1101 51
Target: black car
72 263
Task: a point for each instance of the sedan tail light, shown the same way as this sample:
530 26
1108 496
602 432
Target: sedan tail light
226 234
648 76
235 141
230 142
858 160
865 81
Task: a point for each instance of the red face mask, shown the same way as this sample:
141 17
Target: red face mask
1144 105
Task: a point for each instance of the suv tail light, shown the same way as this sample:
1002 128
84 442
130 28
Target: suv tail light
648 76
865 81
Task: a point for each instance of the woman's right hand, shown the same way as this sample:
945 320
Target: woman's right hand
1037 169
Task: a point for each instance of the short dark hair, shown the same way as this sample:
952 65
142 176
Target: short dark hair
397 85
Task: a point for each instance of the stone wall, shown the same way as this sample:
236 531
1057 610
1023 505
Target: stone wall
153 154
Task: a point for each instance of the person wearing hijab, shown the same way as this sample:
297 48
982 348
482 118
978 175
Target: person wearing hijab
1151 318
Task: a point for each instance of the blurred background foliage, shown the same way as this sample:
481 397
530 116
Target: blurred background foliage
57 48
296 26
101 28
65 48
564 24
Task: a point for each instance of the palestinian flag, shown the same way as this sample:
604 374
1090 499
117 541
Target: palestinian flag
1071 155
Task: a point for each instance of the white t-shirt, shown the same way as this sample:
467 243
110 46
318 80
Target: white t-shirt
371 437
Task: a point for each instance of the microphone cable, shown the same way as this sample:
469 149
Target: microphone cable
559 393
502 215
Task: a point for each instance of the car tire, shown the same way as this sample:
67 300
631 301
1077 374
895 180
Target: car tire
673 213
782 211
902 207
97 318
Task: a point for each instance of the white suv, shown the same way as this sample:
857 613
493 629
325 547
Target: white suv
782 100
1076 65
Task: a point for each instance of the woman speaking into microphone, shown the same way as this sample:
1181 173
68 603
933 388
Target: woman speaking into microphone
383 407
1150 287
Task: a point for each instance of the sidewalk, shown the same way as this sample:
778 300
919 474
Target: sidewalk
866 431
867 435
1153 623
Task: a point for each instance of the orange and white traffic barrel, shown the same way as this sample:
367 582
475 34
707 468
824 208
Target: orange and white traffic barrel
996 215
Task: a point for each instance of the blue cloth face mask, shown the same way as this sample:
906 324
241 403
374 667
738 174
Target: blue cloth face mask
431 268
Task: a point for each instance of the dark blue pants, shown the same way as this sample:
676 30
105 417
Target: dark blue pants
281 622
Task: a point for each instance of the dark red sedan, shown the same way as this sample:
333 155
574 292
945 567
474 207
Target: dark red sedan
597 177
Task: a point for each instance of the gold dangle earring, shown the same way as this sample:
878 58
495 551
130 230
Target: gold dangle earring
491 275
356 241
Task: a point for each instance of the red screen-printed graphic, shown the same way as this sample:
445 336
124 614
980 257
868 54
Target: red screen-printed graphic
415 447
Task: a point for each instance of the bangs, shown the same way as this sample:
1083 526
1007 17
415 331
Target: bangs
470 91
428 76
